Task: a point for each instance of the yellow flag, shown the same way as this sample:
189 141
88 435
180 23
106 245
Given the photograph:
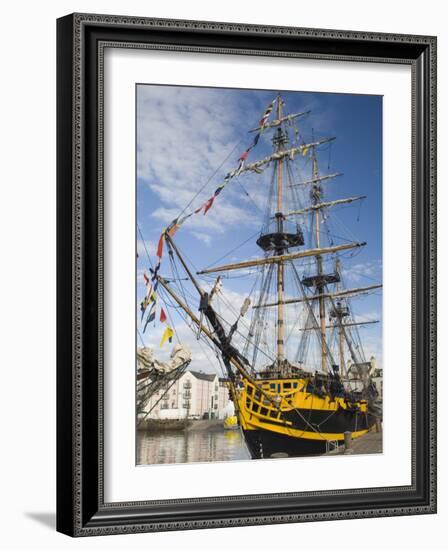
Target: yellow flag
167 335
305 151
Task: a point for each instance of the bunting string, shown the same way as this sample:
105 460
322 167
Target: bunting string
149 302
205 207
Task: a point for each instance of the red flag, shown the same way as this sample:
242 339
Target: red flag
162 315
160 246
244 155
146 278
208 205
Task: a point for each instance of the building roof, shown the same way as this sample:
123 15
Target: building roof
203 375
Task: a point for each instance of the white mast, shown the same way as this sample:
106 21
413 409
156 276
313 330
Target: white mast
280 264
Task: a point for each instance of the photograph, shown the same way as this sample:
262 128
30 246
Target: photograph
259 268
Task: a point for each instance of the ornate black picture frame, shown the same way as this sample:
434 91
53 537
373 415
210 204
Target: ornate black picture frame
81 509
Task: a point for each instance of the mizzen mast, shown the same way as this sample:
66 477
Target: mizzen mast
316 194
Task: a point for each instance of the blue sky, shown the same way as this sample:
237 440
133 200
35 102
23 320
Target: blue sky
189 138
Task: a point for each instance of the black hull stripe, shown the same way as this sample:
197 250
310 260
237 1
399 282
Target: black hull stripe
336 422
264 444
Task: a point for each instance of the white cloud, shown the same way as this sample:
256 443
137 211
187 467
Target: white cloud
364 272
188 139
147 246
203 237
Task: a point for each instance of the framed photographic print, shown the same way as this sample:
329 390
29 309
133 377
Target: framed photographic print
246 274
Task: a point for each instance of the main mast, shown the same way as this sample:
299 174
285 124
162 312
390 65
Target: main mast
279 141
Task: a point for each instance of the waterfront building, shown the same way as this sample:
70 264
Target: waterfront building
377 379
195 395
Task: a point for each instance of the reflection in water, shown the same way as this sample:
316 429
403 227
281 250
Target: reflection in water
174 447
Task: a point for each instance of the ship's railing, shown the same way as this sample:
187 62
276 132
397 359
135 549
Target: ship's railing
263 405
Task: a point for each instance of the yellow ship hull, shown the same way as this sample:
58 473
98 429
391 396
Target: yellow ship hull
279 416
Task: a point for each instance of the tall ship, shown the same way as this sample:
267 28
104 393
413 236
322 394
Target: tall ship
291 349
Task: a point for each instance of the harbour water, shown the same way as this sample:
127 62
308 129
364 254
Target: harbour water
206 442
180 447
